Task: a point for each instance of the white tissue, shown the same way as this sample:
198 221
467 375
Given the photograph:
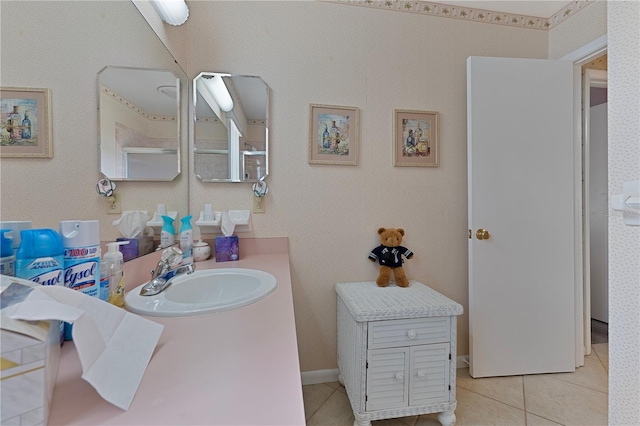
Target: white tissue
132 223
114 346
227 226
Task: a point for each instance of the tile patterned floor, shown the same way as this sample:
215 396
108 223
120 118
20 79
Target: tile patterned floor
578 398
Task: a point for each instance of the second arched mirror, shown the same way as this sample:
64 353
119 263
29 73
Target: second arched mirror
231 128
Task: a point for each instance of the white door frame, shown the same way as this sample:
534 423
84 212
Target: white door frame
580 57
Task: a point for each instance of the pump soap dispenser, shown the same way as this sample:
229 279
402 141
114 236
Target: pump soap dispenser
113 261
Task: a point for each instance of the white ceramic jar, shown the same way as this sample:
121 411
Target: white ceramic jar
201 251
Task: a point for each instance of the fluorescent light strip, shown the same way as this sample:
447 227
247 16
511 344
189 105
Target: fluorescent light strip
219 92
173 12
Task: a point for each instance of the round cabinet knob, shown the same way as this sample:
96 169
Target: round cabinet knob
412 334
400 377
422 375
482 234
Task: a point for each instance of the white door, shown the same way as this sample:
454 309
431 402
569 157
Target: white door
521 190
598 218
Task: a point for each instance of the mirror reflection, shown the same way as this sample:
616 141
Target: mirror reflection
139 131
231 142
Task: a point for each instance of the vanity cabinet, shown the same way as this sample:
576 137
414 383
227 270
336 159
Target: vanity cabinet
397 351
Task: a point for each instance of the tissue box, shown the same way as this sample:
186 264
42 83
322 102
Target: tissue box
137 247
29 367
227 248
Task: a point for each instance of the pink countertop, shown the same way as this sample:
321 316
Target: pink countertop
237 367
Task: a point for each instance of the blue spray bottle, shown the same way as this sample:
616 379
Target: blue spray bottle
167 235
186 240
7 256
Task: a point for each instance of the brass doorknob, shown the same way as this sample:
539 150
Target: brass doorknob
482 234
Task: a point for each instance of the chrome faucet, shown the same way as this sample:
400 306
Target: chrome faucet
168 268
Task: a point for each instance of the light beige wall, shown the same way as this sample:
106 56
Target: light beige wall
308 52
376 60
39 51
173 37
586 25
624 241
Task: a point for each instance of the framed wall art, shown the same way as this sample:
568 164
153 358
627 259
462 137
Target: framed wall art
333 134
25 122
415 138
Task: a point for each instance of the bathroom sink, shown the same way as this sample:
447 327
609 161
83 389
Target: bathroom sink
204 292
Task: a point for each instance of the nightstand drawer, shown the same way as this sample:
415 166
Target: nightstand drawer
408 332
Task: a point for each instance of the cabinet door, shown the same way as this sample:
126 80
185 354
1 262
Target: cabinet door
429 374
387 378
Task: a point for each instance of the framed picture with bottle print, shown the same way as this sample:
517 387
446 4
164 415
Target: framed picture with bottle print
25 122
333 134
415 138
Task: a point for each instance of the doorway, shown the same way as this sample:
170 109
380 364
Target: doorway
584 55
596 198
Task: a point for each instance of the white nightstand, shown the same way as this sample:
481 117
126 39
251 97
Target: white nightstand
397 351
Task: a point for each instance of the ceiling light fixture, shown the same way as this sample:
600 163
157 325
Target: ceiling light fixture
170 91
173 12
219 91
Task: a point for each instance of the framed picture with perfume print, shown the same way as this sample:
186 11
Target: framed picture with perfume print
25 122
415 140
333 134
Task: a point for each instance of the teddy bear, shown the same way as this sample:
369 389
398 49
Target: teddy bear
389 254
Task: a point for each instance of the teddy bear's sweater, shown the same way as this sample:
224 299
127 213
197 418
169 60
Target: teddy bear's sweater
390 256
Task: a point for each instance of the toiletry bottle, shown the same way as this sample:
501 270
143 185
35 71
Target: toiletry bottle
114 264
81 242
40 258
104 281
7 258
186 240
167 235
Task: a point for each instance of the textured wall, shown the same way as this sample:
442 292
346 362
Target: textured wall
586 25
173 37
377 60
624 241
39 51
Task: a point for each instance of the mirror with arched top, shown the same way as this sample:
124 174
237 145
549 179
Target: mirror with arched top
139 123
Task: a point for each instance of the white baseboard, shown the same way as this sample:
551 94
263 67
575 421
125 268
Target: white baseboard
462 361
326 376
319 376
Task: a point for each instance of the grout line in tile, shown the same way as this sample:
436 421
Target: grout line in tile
415 420
497 400
543 417
593 351
575 384
323 402
524 401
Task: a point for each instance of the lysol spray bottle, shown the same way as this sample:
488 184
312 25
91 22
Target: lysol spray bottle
81 242
40 258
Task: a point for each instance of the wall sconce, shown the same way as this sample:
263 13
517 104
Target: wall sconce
215 85
173 12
